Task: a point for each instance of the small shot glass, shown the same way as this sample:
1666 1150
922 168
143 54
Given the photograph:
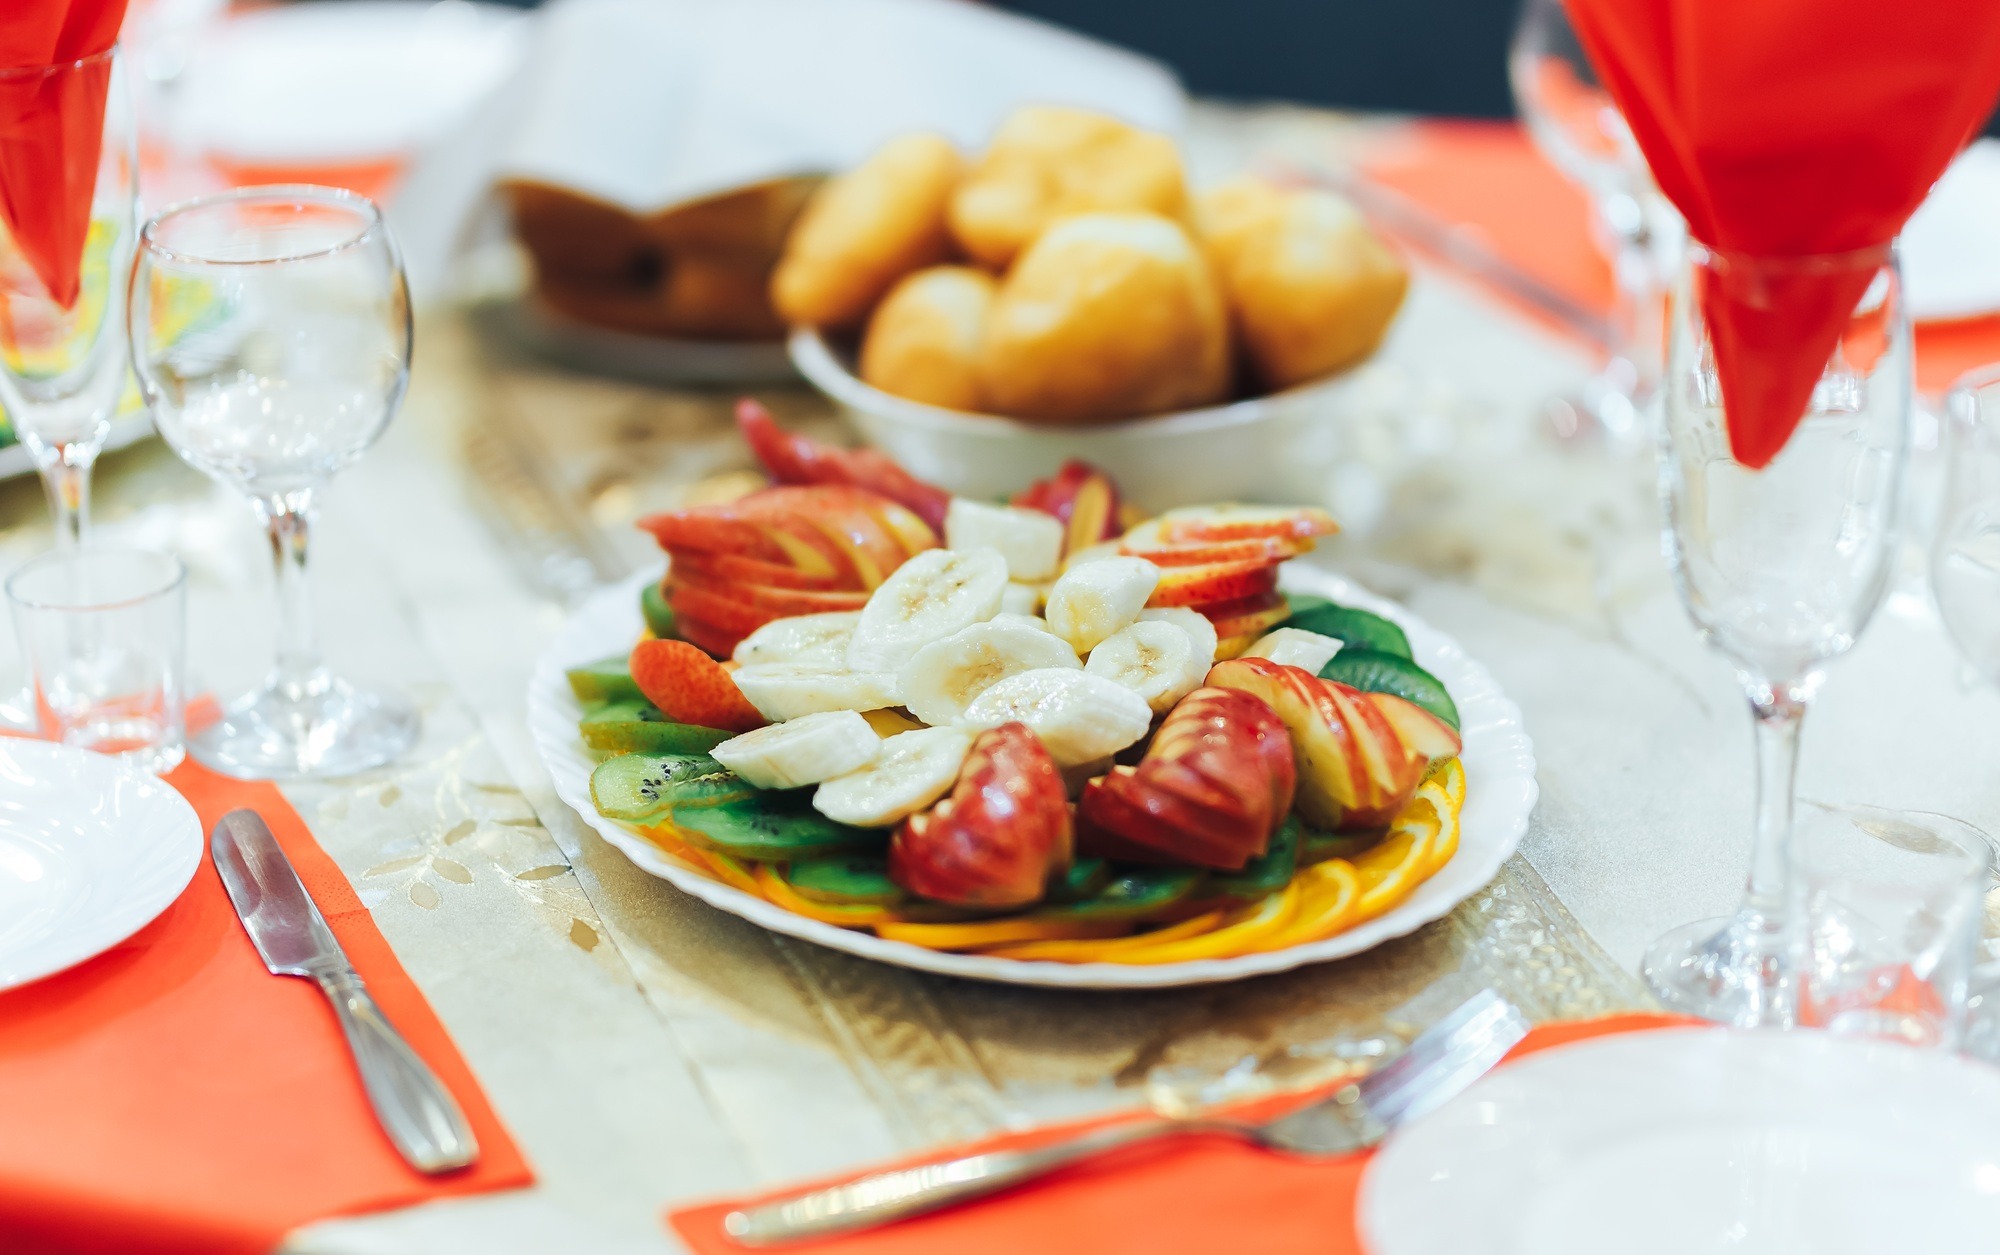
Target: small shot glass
103 636
1889 907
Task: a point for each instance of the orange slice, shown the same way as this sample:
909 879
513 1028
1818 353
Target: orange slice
1095 951
1328 893
1392 870
1239 935
980 934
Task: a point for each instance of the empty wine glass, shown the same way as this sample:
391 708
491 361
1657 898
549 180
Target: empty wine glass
291 370
1573 120
1965 557
1780 569
68 187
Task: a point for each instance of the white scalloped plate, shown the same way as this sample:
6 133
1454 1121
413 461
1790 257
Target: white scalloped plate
91 851
1500 792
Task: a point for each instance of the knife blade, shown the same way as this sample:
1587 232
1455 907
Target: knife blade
414 1108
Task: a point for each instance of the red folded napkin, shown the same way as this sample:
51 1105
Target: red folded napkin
172 1097
1189 1196
1785 128
1488 177
51 128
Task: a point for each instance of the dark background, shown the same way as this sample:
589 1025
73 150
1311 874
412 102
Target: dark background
1420 56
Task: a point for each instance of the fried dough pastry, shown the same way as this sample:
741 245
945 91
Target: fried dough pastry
924 339
1106 316
1048 161
1311 288
865 229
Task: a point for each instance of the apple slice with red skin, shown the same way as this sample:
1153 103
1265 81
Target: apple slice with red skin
1354 770
728 568
711 638
1216 582
744 609
995 840
1271 549
1198 524
1212 788
1418 728
1252 616
794 459
1084 498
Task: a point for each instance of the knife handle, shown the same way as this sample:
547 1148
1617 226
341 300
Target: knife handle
414 1107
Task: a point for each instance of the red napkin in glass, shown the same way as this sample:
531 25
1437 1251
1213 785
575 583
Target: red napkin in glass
51 127
1784 128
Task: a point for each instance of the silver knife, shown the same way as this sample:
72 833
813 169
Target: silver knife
414 1107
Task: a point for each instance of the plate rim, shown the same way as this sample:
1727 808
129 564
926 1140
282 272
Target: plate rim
134 914
553 711
1743 1047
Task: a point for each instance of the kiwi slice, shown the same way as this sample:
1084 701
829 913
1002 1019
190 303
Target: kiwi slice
773 828
1373 671
658 614
1317 847
1268 872
847 879
645 786
1132 894
1354 629
1082 879
640 728
606 681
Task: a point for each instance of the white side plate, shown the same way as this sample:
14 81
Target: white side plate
91 851
1697 1141
1500 792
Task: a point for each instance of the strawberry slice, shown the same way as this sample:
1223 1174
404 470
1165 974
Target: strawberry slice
795 459
690 687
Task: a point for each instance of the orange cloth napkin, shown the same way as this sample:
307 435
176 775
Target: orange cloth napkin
1189 1196
51 127
1784 128
172 1097
1489 177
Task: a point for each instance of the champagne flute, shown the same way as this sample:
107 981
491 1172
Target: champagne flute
295 357
1965 557
68 191
1573 120
1780 569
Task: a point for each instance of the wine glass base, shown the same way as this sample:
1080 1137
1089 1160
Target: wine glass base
1731 970
324 727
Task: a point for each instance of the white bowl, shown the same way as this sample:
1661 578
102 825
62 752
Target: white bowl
1274 448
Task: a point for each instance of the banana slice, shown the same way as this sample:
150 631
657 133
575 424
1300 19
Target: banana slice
1193 622
1029 540
1079 717
1022 598
927 599
805 750
944 677
910 771
1092 601
787 690
818 639
1157 661
1034 621
1294 647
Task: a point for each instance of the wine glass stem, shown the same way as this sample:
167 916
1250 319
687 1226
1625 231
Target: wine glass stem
1638 311
66 478
1778 718
288 519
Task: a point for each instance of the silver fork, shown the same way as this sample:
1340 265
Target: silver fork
1441 1062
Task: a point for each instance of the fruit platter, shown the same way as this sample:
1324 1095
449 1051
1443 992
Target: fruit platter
1040 741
